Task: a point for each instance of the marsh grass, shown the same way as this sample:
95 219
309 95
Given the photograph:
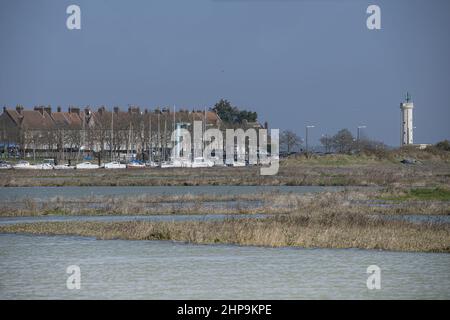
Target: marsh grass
424 194
345 219
308 231
356 201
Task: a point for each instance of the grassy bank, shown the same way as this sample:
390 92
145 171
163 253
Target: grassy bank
332 170
422 194
308 231
292 175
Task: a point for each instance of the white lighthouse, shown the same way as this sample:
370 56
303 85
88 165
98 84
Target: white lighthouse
407 121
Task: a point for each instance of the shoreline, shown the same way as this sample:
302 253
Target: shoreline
182 243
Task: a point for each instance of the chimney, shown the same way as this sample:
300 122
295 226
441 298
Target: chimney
74 110
116 110
58 109
40 109
4 108
48 110
134 110
101 110
19 109
266 125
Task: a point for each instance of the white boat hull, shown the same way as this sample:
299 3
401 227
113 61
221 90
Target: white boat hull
87 166
114 165
63 167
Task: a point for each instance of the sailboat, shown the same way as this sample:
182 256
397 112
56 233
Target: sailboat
22 165
201 162
115 165
176 161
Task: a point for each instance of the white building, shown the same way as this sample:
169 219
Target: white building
407 121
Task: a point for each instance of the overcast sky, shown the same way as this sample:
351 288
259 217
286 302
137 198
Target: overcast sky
295 62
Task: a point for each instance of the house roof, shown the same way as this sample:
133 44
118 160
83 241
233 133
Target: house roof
14 115
68 120
38 120
44 119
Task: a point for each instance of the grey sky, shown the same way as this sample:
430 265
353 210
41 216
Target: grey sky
294 62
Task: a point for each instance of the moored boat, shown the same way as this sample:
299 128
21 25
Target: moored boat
115 165
201 162
5 165
135 164
63 167
22 164
86 165
41 166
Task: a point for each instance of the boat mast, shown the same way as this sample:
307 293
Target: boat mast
203 134
159 137
150 136
165 134
173 130
112 135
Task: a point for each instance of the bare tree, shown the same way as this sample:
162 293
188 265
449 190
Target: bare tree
289 140
327 142
343 141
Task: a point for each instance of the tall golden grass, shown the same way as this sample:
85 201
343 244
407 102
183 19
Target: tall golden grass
308 231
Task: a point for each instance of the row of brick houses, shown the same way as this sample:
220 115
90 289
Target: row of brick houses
65 134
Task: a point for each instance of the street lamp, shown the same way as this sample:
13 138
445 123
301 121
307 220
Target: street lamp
307 127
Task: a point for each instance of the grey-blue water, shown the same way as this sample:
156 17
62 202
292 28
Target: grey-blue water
15 193
34 267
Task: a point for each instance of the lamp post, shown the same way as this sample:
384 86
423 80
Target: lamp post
307 127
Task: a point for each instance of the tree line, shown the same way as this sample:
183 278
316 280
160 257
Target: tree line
341 142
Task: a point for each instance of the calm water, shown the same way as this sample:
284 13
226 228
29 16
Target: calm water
35 267
14 193
118 218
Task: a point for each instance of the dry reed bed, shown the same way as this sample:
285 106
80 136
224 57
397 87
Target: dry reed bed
346 201
343 230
